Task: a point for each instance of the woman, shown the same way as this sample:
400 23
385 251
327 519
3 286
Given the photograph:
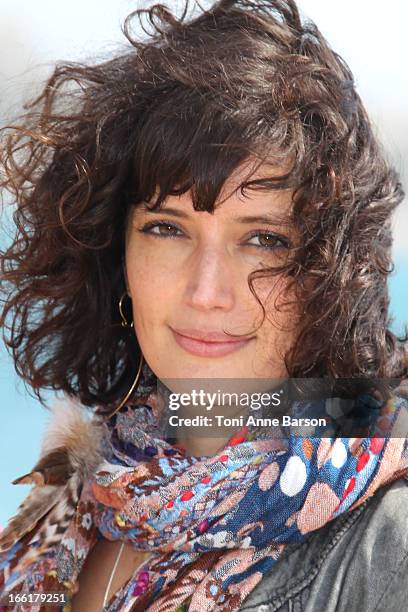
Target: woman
211 205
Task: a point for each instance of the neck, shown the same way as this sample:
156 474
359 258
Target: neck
201 446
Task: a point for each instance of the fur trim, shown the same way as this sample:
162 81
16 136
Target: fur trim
73 428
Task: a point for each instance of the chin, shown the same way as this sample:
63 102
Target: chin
214 369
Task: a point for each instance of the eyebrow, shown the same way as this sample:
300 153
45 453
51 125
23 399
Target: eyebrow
174 212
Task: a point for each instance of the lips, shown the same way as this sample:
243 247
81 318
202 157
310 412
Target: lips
208 343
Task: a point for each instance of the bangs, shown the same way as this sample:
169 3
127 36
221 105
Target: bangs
200 146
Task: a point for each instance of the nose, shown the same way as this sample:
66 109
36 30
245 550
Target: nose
210 280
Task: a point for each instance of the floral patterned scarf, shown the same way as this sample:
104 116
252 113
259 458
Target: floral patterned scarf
215 526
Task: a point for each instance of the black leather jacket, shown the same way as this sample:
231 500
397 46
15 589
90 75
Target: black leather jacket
356 563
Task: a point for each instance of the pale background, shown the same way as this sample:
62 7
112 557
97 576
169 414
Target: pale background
369 34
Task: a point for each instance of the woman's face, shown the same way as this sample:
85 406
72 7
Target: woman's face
186 272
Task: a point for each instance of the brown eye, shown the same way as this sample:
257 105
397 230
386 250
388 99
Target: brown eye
269 241
165 230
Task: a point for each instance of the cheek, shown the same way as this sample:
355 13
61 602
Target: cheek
281 313
278 299
149 285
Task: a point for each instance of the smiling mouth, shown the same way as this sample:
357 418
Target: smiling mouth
209 347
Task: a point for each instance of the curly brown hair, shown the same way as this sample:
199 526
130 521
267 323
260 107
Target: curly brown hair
181 110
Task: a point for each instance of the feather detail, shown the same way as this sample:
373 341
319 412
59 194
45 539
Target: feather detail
38 502
71 449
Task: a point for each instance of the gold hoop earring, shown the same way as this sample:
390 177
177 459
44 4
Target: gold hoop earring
124 322
131 390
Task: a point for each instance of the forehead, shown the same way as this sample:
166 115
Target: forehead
254 170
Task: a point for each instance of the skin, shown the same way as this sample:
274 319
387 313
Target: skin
197 278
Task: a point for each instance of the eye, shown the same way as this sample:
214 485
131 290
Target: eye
269 240
165 229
